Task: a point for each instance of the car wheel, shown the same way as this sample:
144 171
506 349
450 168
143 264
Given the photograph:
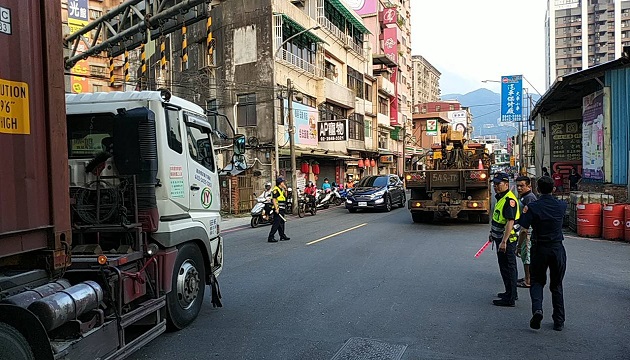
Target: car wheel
352 210
403 200
183 302
388 203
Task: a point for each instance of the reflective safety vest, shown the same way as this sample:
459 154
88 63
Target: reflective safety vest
281 198
497 216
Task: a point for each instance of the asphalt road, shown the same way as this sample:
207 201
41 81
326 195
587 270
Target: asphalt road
412 287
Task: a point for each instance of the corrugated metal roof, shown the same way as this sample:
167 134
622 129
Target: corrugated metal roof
619 82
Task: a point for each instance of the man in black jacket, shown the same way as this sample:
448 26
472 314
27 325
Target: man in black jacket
546 216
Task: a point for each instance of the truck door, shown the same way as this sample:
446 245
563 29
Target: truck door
202 172
176 160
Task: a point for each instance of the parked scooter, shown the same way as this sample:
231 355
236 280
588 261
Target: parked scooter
323 199
335 196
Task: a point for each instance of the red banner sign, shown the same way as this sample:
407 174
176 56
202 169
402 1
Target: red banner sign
389 16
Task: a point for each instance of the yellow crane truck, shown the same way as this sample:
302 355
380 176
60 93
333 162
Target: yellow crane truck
454 181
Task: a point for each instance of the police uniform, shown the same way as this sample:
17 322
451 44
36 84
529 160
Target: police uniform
547 252
505 209
278 222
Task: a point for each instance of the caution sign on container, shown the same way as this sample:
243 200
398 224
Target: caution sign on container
14 116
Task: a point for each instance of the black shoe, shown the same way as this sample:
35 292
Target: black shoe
272 240
504 296
558 326
503 302
534 323
285 238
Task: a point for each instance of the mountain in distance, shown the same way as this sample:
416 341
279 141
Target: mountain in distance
485 106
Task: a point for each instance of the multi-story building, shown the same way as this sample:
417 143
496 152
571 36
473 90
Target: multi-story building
583 33
239 64
93 74
389 21
426 81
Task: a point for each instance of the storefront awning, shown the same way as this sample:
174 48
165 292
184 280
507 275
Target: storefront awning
299 28
338 4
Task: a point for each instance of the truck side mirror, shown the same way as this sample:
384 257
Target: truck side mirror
239 144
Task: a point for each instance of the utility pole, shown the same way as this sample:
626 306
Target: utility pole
292 142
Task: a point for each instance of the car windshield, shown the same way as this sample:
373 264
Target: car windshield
373 181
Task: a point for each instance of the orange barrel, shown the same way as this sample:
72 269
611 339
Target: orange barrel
628 223
613 221
589 220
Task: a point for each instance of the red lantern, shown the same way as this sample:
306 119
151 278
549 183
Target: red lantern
373 163
304 168
360 163
367 163
316 169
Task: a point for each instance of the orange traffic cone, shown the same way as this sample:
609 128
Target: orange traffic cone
480 166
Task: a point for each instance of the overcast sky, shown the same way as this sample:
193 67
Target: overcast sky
469 41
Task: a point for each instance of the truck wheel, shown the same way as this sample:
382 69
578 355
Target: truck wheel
13 345
184 301
484 219
417 217
255 221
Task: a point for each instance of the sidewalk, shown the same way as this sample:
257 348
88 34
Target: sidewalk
231 221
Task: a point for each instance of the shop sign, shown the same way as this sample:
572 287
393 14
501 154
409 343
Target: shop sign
386 159
332 130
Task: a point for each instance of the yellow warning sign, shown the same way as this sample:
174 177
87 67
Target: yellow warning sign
14 106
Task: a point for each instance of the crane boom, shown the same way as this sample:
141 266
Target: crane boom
125 27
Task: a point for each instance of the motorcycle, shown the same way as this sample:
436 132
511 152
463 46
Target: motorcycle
289 196
336 197
257 213
323 199
305 205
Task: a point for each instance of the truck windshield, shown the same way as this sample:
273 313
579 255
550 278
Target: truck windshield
89 134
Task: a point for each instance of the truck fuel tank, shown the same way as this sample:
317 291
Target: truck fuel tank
26 298
57 309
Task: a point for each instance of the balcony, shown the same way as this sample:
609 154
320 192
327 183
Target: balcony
339 94
385 86
298 63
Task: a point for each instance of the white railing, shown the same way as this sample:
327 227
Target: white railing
342 36
292 59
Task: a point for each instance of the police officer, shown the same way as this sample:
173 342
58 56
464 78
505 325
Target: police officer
504 216
546 216
279 205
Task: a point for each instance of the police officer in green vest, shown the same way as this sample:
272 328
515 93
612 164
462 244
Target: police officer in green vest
279 197
503 234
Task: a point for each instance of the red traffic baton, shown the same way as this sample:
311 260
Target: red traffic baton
483 248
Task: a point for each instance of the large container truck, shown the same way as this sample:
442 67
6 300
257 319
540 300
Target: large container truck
109 211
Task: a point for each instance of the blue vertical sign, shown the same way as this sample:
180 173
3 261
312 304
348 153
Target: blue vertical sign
512 98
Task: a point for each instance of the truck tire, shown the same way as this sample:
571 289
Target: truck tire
484 219
417 217
184 301
13 345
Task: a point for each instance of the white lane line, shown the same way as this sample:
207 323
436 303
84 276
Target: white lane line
335 234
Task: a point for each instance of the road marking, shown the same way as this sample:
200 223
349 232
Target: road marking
335 234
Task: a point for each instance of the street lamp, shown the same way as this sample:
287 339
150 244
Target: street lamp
291 126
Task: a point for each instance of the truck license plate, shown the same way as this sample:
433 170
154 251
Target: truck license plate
362 203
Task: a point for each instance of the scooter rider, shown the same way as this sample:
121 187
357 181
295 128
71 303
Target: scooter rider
310 191
268 203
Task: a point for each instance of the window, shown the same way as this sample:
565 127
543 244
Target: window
88 135
355 82
368 128
246 110
438 108
200 148
382 140
451 107
356 127
330 71
95 14
368 92
97 88
329 111
383 106
173 132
